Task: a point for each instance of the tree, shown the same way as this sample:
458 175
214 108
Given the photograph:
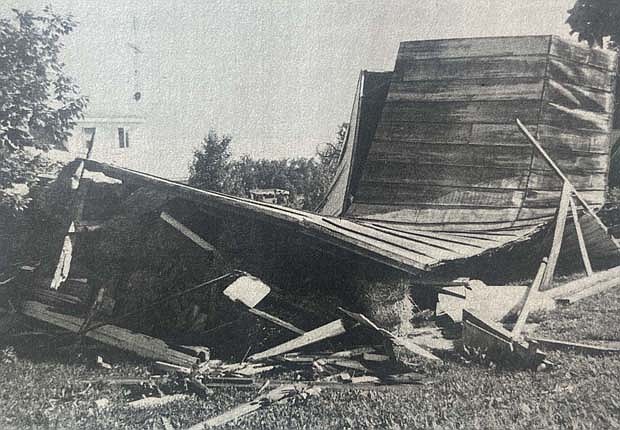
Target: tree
594 20
39 103
210 167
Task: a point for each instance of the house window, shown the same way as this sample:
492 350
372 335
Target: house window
123 138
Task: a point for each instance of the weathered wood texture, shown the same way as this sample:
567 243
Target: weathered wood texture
447 137
141 344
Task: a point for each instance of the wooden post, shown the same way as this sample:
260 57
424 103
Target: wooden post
558 234
529 300
582 243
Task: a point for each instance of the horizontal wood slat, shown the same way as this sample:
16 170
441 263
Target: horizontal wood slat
579 74
473 47
573 96
603 58
495 112
466 90
459 69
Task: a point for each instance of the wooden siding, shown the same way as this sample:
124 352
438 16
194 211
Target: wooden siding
447 149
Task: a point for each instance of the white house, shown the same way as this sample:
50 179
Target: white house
111 139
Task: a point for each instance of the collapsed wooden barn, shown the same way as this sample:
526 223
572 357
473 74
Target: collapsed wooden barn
436 179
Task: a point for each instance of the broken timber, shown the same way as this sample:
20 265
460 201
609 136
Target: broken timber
497 342
405 343
529 300
332 329
143 345
579 347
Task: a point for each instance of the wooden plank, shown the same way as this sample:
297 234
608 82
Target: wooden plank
462 69
405 343
558 234
563 345
577 140
61 273
558 115
275 320
573 96
530 300
517 157
547 199
593 290
496 112
474 47
582 244
406 194
399 172
554 166
424 132
143 345
466 90
577 74
603 58
332 329
274 396
185 231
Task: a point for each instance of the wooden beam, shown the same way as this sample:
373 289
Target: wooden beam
275 320
580 347
594 289
558 234
143 345
185 231
332 329
529 300
405 343
497 342
582 244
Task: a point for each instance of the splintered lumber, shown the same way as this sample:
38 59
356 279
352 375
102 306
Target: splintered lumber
582 244
185 231
168 367
558 234
405 343
64 261
332 329
143 345
497 342
529 300
580 347
274 396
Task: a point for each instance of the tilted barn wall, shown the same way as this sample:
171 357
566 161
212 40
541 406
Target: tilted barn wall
447 149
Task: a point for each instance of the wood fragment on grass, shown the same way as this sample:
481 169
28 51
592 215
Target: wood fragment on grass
274 396
401 342
153 402
332 329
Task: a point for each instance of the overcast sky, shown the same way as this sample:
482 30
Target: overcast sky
279 76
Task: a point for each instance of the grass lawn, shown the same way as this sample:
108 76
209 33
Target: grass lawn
39 389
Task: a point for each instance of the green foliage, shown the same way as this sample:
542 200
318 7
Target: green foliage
39 103
594 20
307 179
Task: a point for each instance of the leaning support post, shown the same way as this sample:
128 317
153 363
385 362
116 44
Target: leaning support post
558 234
530 299
582 244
